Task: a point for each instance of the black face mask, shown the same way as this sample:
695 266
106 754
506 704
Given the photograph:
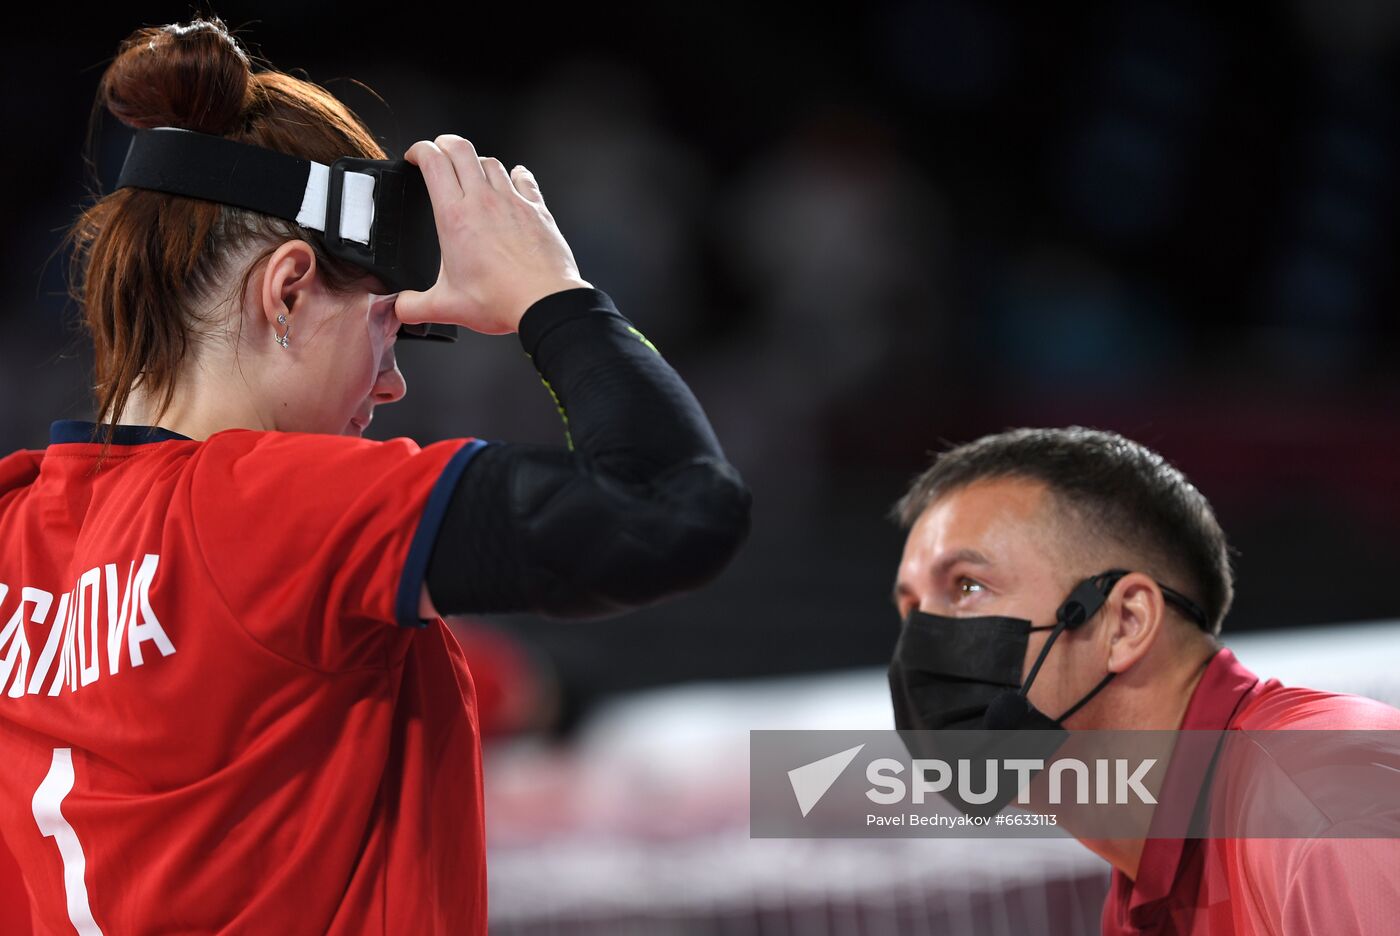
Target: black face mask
965 673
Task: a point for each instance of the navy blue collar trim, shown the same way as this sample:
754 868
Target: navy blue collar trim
80 430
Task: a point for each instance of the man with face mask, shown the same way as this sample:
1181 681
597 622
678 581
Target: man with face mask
1070 579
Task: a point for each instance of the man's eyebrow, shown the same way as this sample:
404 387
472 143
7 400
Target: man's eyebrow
970 556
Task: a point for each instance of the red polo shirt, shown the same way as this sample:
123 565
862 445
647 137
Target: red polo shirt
1241 887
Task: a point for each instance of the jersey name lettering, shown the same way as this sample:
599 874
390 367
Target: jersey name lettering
72 655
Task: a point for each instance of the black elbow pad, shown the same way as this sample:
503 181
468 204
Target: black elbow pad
534 528
596 545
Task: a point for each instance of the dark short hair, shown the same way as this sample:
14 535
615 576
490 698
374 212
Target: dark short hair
1124 491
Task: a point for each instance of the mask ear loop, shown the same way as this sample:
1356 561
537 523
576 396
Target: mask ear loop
1055 631
1103 585
1092 692
1082 604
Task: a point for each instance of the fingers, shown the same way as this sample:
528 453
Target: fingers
471 205
464 159
412 307
451 166
519 182
496 175
526 185
438 172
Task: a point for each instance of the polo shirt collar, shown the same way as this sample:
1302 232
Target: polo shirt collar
1224 686
66 431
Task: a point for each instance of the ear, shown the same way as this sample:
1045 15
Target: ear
1135 617
287 279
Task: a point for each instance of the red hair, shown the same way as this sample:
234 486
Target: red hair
145 264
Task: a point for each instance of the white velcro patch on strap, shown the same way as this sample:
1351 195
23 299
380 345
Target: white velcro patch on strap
313 202
356 203
356 206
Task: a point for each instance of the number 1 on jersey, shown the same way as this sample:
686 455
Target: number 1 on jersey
47 813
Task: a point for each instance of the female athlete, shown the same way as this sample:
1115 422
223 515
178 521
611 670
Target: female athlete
228 702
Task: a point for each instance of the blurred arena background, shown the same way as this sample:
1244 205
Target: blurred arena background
856 234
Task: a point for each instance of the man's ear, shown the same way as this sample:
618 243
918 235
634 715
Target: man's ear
1136 616
287 278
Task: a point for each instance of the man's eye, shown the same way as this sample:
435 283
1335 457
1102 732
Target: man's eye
966 586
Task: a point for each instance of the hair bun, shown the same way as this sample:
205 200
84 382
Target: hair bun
190 75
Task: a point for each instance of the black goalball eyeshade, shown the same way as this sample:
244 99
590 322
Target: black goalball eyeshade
374 213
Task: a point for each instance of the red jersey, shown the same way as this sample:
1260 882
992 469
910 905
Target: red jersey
219 710
1248 886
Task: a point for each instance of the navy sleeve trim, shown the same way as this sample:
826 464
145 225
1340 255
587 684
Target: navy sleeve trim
77 430
415 567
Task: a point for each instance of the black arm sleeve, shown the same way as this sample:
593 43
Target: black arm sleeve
641 505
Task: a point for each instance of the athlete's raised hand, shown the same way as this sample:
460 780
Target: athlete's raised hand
501 250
